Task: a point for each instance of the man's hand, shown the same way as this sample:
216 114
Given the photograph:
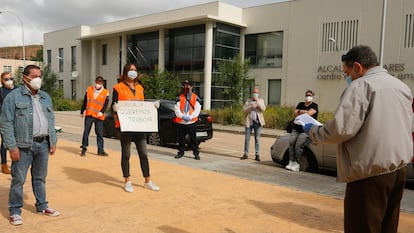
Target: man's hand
82 115
307 128
52 150
15 154
115 107
157 104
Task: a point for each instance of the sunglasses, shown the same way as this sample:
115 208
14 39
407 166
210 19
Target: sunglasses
7 79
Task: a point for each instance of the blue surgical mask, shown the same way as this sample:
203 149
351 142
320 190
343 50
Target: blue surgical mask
132 74
348 80
256 95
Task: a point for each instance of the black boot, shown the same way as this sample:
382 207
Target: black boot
257 158
83 151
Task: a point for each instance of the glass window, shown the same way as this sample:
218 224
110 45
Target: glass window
143 51
265 50
73 58
274 92
60 58
49 57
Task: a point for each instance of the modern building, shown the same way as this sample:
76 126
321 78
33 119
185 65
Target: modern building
14 66
292 46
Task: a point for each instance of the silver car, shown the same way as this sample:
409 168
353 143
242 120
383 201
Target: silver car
315 157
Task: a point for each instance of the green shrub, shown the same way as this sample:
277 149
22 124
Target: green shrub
60 104
275 117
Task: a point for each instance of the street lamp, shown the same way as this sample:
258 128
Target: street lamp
21 22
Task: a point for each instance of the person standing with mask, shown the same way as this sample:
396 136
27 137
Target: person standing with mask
372 126
129 88
253 109
93 109
7 87
187 109
27 123
297 138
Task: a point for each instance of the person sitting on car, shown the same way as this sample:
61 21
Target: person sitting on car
187 109
298 139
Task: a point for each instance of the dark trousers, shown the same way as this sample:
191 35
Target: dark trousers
3 152
372 205
98 131
191 130
140 141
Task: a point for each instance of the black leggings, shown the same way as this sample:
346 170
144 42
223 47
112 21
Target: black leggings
141 145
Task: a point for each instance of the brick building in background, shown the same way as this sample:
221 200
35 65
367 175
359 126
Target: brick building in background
16 52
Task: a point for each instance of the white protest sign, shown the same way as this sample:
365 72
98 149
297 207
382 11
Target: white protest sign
137 116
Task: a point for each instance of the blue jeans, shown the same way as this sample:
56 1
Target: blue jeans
98 131
37 158
257 130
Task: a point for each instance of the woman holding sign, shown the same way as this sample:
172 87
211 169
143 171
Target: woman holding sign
129 88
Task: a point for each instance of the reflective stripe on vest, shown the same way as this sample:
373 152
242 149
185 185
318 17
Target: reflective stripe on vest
124 93
183 101
94 106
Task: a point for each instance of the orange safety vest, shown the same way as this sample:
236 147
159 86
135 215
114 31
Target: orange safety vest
94 106
124 93
183 100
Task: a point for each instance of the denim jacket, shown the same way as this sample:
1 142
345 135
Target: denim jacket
16 118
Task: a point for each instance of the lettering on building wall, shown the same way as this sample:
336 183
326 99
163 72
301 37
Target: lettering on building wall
335 72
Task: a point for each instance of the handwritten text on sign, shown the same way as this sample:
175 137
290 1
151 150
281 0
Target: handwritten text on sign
137 116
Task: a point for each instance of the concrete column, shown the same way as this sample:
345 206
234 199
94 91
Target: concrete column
93 62
208 65
124 51
161 50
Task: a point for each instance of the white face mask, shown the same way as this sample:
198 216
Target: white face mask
8 84
255 95
308 98
132 74
98 86
36 83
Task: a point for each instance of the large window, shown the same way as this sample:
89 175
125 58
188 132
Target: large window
187 50
274 92
60 58
49 57
73 58
264 50
143 51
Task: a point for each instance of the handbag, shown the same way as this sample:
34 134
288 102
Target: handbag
289 126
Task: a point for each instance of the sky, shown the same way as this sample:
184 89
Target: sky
41 16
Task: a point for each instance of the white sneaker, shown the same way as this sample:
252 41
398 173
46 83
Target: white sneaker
295 167
151 186
128 187
289 166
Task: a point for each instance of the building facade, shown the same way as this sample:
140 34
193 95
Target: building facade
292 46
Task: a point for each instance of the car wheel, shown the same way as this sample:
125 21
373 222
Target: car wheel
308 161
154 139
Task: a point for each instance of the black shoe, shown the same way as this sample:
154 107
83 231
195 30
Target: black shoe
197 157
179 155
103 153
83 151
244 157
257 158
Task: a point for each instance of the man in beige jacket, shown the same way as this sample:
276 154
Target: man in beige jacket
372 127
253 109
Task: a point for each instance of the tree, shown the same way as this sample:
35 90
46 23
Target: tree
233 74
38 57
162 85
